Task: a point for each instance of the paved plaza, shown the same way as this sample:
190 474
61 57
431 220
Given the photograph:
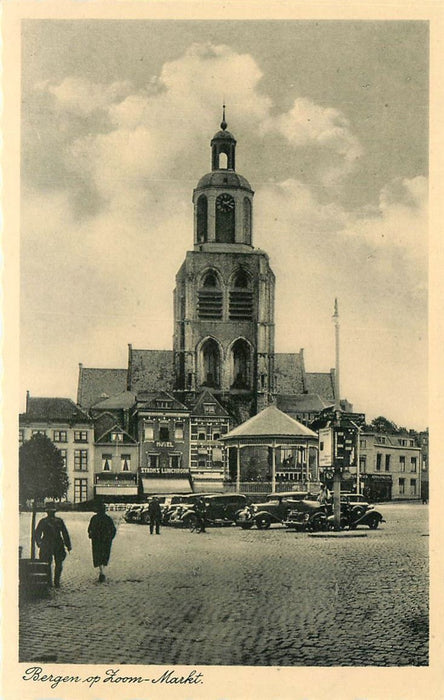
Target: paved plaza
230 596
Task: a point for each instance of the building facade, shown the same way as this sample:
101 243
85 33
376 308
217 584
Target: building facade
390 466
209 421
71 430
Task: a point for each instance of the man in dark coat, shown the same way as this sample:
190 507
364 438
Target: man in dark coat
101 531
52 537
155 513
201 513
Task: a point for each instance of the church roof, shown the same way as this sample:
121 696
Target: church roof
301 403
224 178
150 370
98 384
271 422
322 383
289 372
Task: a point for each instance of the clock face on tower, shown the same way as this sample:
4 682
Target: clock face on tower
225 202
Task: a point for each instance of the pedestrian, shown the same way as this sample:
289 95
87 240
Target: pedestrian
201 513
52 538
101 531
324 496
155 513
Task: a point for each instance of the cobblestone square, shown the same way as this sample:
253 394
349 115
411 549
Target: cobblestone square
234 597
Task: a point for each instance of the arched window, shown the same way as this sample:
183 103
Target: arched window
202 219
225 218
241 298
241 365
210 364
210 279
223 161
247 219
209 297
241 279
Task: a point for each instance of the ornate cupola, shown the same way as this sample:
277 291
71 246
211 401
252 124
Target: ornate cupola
223 200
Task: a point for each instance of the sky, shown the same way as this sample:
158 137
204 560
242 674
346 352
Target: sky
331 122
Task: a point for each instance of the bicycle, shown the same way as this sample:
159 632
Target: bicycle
196 524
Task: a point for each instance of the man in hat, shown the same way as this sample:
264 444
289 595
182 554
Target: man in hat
155 513
52 537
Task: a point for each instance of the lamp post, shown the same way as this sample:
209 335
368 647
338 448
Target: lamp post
337 423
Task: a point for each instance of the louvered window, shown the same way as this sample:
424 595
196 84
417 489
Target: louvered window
241 305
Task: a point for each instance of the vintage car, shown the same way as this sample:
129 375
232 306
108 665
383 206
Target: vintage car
308 515
166 502
132 514
220 509
273 510
355 513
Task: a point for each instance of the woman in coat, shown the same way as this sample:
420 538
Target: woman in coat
101 531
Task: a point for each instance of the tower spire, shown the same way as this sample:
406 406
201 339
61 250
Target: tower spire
223 124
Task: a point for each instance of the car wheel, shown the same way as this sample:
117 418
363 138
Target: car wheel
317 524
246 526
145 518
373 523
263 522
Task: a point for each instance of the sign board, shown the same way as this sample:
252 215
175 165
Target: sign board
326 447
345 447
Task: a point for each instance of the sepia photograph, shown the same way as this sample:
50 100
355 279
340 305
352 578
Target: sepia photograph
223 403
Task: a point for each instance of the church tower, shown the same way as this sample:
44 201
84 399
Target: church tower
224 296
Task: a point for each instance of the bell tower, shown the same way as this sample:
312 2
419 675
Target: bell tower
224 296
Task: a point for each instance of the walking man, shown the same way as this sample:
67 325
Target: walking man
101 531
155 513
52 537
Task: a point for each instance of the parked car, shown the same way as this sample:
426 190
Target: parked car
171 515
355 513
273 510
166 501
220 509
132 514
309 515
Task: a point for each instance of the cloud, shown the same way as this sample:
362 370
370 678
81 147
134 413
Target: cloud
99 257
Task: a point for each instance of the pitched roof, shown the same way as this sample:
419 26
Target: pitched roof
271 422
289 372
150 370
206 397
97 384
301 403
53 410
105 438
152 400
125 399
322 383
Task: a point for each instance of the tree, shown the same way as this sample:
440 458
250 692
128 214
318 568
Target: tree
42 474
384 425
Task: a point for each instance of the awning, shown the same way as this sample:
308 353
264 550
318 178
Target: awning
166 486
116 490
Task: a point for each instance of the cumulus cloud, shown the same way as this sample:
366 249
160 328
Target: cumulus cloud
101 276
